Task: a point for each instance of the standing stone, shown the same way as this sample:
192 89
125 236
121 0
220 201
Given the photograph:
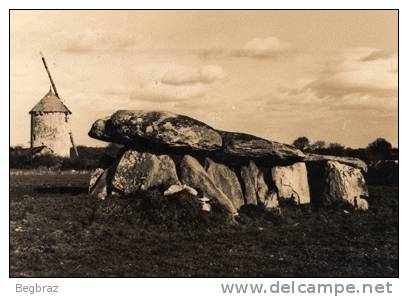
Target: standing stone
344 182
226 180
95 175
140 171
292 183
194 175
256 189
249 176
98 184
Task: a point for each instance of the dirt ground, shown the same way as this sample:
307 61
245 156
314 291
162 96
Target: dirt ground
58 231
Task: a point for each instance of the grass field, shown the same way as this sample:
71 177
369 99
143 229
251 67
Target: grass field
57 230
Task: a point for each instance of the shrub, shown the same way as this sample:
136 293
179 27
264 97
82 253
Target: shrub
89 158
383 173
152 210
79 164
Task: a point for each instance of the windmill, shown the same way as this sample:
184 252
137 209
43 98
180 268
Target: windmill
50 123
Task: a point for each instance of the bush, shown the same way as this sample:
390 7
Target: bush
47 161
19 159
383 173
79 164
24 160
89 158
152 210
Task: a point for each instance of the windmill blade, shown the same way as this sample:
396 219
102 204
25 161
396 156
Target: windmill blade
49 76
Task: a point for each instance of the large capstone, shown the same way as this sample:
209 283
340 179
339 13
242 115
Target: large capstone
141 171
291 182
353 162
156 129
226 180
99 130
194 175
240 146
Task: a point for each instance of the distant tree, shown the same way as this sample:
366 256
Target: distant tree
336 149
113 149
335 145
318 145
16 148
301 143
380 148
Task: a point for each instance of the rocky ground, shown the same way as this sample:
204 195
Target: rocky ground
57 230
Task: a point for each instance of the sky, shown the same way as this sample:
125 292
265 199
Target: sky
326 75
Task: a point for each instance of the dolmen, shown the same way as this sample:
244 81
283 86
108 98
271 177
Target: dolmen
173 153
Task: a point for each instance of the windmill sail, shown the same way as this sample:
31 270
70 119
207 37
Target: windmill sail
49 75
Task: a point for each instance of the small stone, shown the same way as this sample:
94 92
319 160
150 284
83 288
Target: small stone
361 204
205 205
173 189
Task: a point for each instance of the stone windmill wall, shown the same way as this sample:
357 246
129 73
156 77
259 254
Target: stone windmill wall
50 125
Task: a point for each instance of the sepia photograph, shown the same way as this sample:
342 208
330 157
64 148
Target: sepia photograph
204 144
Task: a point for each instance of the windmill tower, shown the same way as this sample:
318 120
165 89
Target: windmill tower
50 123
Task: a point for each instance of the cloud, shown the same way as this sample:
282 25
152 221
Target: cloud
269 47
304 109
257 48
377 54
358 71
164 82
174 82
189 76
353 80
92 40
156 91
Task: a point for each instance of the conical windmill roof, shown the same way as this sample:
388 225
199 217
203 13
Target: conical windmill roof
50 103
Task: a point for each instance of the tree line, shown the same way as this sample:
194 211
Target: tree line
379 149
